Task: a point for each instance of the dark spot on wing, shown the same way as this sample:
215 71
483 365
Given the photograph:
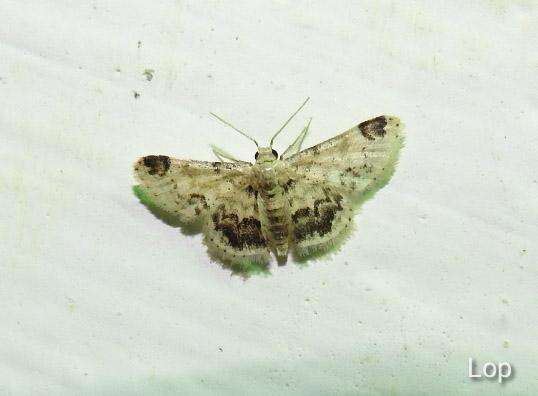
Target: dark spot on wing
216 167
289 184
300 213
241 234
373 128
319 219
252 192
353 171
157 164
200 201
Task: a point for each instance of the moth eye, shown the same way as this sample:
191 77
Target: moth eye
256 155
275 153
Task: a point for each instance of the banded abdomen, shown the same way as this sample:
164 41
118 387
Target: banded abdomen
272 195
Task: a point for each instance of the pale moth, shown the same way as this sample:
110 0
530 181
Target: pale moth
300 201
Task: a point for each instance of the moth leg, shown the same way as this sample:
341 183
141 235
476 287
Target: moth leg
295 147
223 155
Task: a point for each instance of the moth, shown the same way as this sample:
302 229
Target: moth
299 201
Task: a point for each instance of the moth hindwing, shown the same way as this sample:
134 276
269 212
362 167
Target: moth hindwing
302 201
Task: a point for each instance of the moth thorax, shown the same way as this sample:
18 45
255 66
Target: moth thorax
267 177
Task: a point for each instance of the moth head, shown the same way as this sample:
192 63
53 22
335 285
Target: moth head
265 154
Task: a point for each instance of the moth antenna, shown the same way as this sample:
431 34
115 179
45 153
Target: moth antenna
287 122
234 128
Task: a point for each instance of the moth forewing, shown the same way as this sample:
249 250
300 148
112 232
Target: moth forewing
217 195
332 178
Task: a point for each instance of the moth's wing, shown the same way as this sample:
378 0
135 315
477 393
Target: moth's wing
216 195
359 160
321 217
339 174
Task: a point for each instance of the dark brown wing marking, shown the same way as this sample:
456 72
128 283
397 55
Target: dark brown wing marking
157 164
373 128
317 219
240 234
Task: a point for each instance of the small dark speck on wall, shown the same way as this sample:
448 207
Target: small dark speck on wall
148 73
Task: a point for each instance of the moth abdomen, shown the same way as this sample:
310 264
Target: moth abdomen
276 214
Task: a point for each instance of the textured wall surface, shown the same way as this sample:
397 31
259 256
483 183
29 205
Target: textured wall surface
99 297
